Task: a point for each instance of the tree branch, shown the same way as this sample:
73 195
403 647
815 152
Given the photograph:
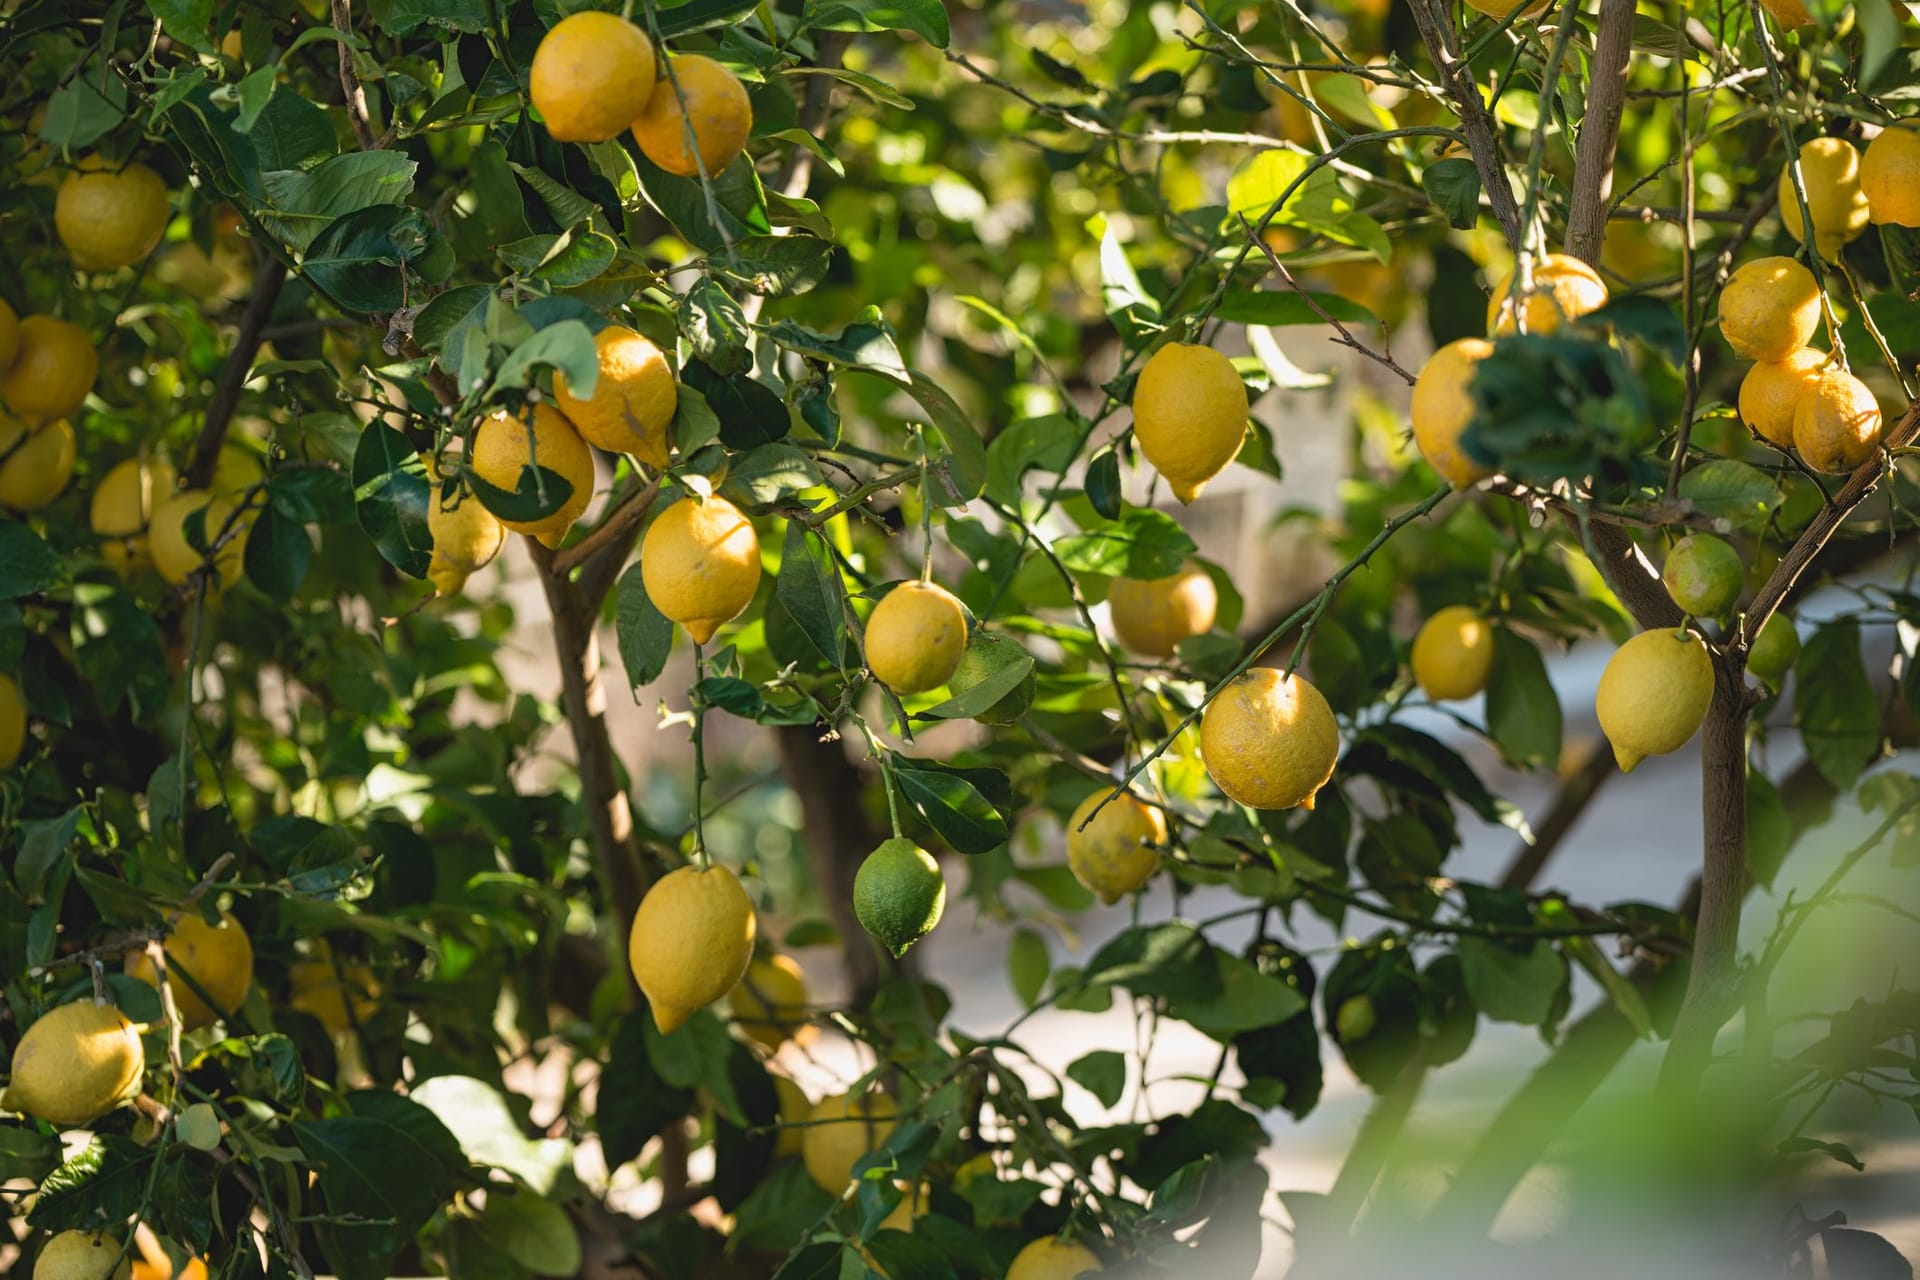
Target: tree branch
1475 122
1600 132
233 374
354 95
616 522
1632 576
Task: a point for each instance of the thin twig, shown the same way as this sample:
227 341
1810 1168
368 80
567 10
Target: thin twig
234 373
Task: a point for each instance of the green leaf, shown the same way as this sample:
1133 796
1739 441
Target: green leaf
780 1210
695 1056
255 92
292 133
925 18
391 495
1834 704
645 635
1132 309
984 696
1523 711
1103 484
1454 187
1102 1073
815 1262
448 313
278 554
1143 543
360 260
106 1182
27 564
636 1103
187 21
737 196
567 347
533 1232
1046 443
1737 492
900 1256
716 328
302 203
1304 194
958 475
699 15
955 802
27 1154
810 590
1769 827
1169 959
383 1179
776 265
489 1134
576 258
85 109
1509 985
43 846
1276 309
1244 999
867 344
1027 965
770 477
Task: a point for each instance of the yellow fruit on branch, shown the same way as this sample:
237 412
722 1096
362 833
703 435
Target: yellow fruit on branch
1453 654
1653 694
1836 422
591 76
9 334
223 532
1769 308
505 446
341 994
466 536
1053 1259
1443 408
915 638
35 463
1119 850
840 1131
691 941
209 967
1269 740
110 218
694 95
631 408
1189 415
75 1064
121 509
1772 389
13 723
795 1108
82 1255
52 372
700 562
1564 289
770 1002
1830 173
1890 176
1153 615
1788 13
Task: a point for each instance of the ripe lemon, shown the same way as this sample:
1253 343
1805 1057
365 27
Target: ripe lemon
1704 575
840 1130
341 994
1453 654
1119 850
770 1002
1788 13
1637 251
692 940
1269 740
13 723
1770 307
1153 615
591 76
1443 407
915 637
1564 288
1836 422
110 218
1830 170
176 558
1772 388
81 1255
631 408
466 537
795 1107
236 468
1774 650
52 372
696 91
75 1064
1653 694
37 464
899 894
987 654
218 958
501 456
122 507
700 562
1890 177
9 334
1189 415
1053 1259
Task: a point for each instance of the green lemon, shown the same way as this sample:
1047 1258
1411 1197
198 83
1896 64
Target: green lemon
1355 1020
1774 650
1704 575
987 655
898 894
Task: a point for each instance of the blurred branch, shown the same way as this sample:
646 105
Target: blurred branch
354 95
272 274
1345 338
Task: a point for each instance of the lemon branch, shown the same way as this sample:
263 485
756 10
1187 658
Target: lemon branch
1476 123
235 371
1598 143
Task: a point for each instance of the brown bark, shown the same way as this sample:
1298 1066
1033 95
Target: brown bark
1600 131
1476 122
272 274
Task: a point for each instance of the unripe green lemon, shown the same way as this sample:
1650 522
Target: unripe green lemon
988 654
1653 694
1703 575
899 894
1774 650
1355 1020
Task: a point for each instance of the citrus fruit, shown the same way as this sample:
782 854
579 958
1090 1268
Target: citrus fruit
52 372
1501 8
236 468
915 637
840 1130
1890 176
122 507
75 1064
591 76
1774 650
1836 422
1772 388
1051 1258
1704 575
1769 307
1788 13
1830 172
631 408
1443 407
1119 850
1189 415
987 655
1355 1020
1269 740
1153 615
1637 251
209 968
700 562
466 536
501 457
177 558
81 1255
692 940
110 218
341 994
1653 694
694 94
13 723
38 463
770 1002
795 1107
899 894
9 334
1564 288
1453 654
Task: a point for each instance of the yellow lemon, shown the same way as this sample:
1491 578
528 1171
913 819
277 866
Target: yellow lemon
1836 422
795 1107
1653 694
1052 1258
770 1003
1453 654
109 217
236 468
122 506
1771 390
840 1130
691 941
1153 615
341 994
52 372
631 408
591 76
1443 408
1269 740
1635 251
81 1255
177 558
695 94
215 958
1564 288
501 455
75 1064
466 537
13 723
1788 13
915 638
1119 850
1830 171
1769 307
35 464
9 334
1189 415
700 562
1890 177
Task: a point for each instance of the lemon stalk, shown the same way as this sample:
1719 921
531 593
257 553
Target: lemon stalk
926 508
701 858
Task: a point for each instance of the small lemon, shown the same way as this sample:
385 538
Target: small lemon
696 91
840 1131
700 562
53 371
1653 694
341 994
1830 171
110 218
1189 415
466 536
1453 654
236 468
1704 575
122 506
795 1107
1119 850
501 457
215 958
691 941
1890 176
988 654
177 558
75 1064
915 637
1052 1258
1564 289
1769 308
1355 1019
13 723
1772 388
9 334
35 464
899 894
631 408
770 1002
1788 13
1269 740
1153 615
1774 650
1836 422
81 1255
591 76
1443 408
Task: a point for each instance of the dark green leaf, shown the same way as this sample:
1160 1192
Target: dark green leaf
925 18
300 204
537 494
1454 187
645 635
278 554
1027 965
776 265
1142 543
901 1256
1737 492
955 802
1103 484
810 590
1834 704
27 564
105 1184
867 344
1170 960
1523 711
360 260
716 328
391 495
1102 1073
1274 308
1046 443
1509 985
635 1103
